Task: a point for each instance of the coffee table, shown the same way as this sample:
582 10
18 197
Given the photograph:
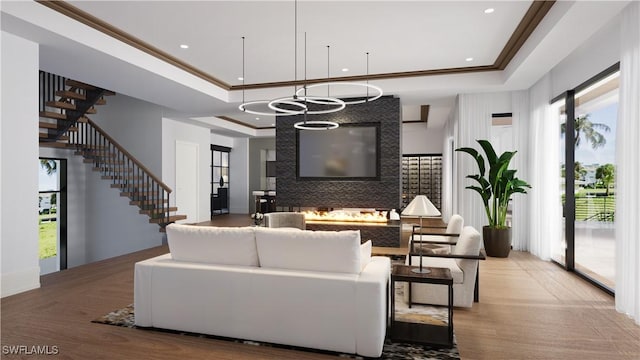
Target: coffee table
415 332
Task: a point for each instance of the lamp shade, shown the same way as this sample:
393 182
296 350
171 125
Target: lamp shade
421 206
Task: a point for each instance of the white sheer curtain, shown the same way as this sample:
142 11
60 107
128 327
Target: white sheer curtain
449 167
544 171
520 111
628 168
474 123
447 178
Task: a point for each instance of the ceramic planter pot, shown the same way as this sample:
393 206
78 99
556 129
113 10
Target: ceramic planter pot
497 242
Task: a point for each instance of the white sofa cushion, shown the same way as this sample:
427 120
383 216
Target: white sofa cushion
456 273
213 245
330 251
365 254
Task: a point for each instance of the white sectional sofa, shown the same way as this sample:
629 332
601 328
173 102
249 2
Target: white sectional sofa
314 289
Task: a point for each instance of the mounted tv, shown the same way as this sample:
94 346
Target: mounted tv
350 152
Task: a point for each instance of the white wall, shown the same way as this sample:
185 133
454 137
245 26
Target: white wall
239 177
173 131
417 138
221 140
113 226
136 125
19 165
595 55
76 204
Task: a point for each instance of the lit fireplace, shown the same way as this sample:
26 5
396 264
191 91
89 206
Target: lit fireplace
345 215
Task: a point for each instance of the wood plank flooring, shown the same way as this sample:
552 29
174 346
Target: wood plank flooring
529 309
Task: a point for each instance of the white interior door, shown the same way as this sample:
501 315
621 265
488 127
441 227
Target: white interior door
187 180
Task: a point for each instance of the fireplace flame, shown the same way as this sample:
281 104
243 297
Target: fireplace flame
346 216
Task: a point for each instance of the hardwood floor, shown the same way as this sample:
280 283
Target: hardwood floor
529 309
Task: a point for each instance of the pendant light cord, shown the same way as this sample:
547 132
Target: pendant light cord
305 78
295 47
328 77
243 69
367 77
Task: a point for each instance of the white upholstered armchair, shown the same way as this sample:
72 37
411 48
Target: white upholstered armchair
285 219
436 241
463 263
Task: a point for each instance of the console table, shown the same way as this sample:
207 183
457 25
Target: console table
415 332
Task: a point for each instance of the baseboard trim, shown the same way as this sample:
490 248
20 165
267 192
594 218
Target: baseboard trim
19 281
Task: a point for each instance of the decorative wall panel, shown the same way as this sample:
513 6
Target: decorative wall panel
384 193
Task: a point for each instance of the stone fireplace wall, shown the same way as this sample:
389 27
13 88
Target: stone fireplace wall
382 194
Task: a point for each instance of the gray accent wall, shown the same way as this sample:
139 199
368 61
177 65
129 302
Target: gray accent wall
382 194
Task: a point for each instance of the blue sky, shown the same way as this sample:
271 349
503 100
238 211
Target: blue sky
46 182
606 154
585 154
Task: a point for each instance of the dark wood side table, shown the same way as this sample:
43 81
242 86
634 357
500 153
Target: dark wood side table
415 332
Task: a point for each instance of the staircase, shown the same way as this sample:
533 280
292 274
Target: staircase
64 106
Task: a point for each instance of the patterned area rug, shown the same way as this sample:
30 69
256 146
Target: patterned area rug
392 350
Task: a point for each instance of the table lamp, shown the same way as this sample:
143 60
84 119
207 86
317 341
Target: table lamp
420 206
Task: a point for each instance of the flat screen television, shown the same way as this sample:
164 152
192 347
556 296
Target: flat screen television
350 152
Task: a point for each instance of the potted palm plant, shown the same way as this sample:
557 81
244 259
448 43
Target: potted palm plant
495 188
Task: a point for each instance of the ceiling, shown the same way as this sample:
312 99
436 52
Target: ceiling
424 52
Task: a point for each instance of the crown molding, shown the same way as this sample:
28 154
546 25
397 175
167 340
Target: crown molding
530 21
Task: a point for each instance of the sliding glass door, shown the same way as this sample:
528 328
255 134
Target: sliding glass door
595 190
52 222
588 178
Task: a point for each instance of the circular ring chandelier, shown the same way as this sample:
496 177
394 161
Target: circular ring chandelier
315 125
337 104
334 83
244 107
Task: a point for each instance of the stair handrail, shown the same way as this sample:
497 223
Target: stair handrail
128 154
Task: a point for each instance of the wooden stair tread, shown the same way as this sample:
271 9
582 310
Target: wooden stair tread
70 95
120 177
78 84
101 101
153 201
48 136
110 169
102 161
94 154
169 219
53 115
47 125
158 211
131 186
139 194
92 110
53 144
91 147
108 93
61 105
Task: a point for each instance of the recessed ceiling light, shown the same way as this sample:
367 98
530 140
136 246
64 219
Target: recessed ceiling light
273 124
489 10
257 118
468 59
240 78
184 46
345 70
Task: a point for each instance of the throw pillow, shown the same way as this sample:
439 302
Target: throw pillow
365 254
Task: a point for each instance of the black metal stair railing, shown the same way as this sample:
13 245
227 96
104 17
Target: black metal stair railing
52 88
127 173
